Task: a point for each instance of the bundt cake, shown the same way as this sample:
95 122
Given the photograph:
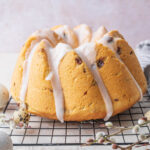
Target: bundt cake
69 74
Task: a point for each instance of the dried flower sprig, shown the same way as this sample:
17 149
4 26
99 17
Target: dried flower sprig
102 138
20 118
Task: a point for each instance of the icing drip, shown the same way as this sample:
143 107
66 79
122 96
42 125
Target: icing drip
54 57
26 70
88 55
99 34
83 33
46 34
112 45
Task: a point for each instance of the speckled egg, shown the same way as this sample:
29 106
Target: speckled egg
4 96
5 141
143 54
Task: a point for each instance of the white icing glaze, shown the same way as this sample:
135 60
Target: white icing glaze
88 55
54 57
99 33
26 70
65 34
112 45
45 33
83 33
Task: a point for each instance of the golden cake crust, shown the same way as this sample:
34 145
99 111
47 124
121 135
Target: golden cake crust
83 101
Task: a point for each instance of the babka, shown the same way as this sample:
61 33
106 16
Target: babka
71 75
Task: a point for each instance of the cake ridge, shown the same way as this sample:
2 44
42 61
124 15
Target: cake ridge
54 57
28 57
113 47
87 53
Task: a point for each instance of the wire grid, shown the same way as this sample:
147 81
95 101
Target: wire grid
45 132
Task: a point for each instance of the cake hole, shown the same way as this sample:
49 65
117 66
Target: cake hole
93 83
90 104
84 70
78 60
118 50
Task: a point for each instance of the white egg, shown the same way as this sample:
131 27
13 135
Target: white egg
5 141
4 96
143 53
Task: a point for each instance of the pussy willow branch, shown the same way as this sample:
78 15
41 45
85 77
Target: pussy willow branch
121 129
124 129
130 146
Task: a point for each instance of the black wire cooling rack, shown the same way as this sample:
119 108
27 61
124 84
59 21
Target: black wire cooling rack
45 132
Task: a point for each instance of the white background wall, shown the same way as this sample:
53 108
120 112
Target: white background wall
19 18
